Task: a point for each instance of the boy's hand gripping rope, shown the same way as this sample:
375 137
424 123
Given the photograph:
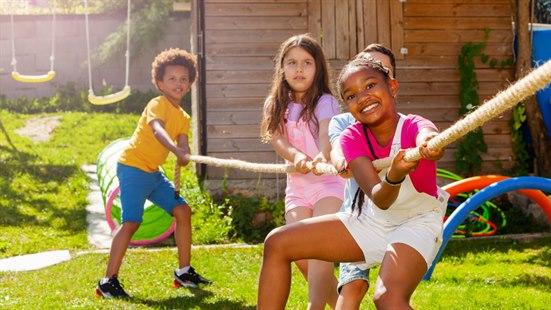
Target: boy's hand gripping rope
503 101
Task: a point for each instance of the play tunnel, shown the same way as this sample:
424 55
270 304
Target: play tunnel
157 224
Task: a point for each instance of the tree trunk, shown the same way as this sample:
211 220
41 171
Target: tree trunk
540 141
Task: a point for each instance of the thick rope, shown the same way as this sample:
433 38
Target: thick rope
177 183
503 101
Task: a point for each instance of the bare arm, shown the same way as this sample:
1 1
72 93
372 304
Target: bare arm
181 151
338 160
382 193
284 149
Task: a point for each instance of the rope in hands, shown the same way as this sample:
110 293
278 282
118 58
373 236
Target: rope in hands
503 101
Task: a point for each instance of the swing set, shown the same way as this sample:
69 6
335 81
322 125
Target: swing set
92 97
25 78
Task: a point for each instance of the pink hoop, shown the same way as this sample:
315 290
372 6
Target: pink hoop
109 217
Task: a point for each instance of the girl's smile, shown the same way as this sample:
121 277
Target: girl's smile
368 95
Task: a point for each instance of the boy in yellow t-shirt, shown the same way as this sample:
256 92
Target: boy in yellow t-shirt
163 127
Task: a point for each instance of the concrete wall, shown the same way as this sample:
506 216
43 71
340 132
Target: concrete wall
33 49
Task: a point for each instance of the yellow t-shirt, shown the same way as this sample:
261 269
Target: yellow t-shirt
145 152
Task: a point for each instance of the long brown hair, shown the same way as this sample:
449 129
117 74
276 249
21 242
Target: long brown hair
281 93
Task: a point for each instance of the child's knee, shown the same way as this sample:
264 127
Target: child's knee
390 299
273 243
181 212
130 226
355 289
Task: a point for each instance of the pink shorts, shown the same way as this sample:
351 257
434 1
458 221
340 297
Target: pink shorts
307 190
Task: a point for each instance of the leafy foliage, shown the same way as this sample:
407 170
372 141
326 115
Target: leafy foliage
147 22
68 98
543 11
522 160
468 158
252 218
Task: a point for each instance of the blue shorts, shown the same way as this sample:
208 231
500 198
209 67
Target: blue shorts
349 272
137 185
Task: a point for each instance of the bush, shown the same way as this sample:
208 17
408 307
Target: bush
67 98
252 218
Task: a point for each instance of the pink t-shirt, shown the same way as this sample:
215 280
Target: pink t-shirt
326 108
354 145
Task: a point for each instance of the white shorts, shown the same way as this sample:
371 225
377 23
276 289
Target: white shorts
374 236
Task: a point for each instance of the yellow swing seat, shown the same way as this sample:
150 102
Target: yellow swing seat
32 78
108 99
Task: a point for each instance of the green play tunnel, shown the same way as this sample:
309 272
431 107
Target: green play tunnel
157 224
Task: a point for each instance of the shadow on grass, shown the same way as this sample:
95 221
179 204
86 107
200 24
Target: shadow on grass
197 300
21 165
6 134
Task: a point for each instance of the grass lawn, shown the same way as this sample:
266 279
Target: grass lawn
42 207
477 275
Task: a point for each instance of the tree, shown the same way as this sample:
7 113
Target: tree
541 141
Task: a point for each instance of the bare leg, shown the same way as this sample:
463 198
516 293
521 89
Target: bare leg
322 284
401 271
182 234
295 215
120 243
324 238
351 295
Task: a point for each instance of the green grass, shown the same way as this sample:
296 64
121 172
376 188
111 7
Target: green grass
42 207
43 190
504 275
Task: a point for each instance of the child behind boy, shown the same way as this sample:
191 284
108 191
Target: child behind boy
162 123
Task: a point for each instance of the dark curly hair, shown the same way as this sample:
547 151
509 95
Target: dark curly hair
173 56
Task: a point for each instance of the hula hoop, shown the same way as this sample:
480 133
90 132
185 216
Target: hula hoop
492 191
480 182
109 216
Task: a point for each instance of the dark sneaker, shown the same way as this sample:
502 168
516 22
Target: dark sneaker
189 279
111 289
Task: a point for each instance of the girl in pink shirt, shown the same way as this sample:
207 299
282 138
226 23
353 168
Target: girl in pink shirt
296 119
397 223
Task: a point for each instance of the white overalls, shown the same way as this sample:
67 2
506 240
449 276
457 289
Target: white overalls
414 219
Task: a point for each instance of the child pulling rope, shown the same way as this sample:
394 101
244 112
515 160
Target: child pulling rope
503 101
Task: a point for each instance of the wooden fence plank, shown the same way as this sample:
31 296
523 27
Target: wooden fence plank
370 21
237 90
396 28
299 24
314 19
458 10
239 63
255 9
383 22
342 30
328 28
235 103
360 30
239 77
244 117
453 49
238 145
243 49
457 36
352 29
457 23
248 36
